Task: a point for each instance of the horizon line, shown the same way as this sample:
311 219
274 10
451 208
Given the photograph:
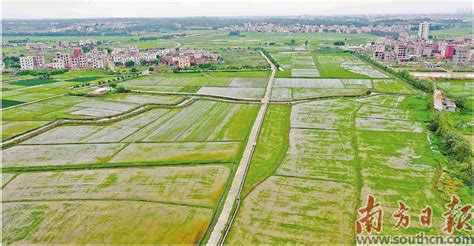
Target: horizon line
231 16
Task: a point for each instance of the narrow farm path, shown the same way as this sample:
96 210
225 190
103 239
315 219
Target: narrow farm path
234 193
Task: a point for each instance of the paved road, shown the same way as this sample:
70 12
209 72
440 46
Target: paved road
239 178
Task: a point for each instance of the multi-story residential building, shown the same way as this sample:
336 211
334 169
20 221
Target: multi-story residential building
57 64
65 58
79 61
462 56
423 30
449 51
26 63
98 63
401 52
31 62
184 61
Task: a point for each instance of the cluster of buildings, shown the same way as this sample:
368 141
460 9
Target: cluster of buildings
77 43
39 46
123 55
100 59
298 28
77 59
420 47
91 26
184 58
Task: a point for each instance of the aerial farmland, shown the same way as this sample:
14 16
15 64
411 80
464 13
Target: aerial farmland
270 144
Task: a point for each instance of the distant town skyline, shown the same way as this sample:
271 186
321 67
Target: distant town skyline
40 9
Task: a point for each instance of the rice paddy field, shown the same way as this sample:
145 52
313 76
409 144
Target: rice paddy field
97 171
298 64
230 87
335 153
155 165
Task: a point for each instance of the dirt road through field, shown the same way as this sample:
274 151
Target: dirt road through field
239 178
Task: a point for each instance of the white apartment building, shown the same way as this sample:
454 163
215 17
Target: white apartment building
26 63
423 30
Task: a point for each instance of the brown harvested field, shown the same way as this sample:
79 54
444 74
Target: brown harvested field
191 185
7 177
296 211
178 152
114 132
65 154
103 222
322 154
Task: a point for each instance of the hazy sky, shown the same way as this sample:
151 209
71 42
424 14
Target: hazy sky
32 9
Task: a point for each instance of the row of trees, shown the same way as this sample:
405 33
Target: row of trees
453 144
214 67
267 54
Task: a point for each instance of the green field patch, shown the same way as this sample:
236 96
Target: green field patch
324 114
145 98
329 66
188 123
401 166
463 118
84 79
9 103
13 128
32 82
271 146
28 97
393 86
236 125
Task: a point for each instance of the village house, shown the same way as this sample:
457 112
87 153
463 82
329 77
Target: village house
189 57
35 46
